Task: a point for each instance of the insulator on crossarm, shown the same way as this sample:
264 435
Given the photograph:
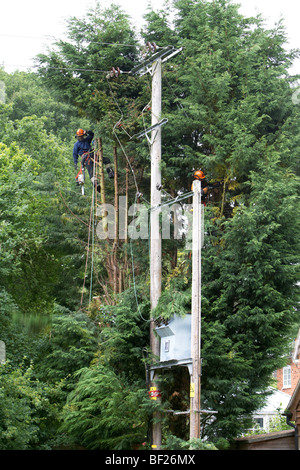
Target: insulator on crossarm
151 46
114 72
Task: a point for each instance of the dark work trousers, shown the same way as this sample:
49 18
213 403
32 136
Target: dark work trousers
87 162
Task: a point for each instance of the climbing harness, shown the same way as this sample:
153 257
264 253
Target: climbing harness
86 160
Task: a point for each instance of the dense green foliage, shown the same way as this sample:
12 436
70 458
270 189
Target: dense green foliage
74 310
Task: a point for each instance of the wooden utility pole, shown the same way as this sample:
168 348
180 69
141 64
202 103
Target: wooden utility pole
155 236
116 237
195 379
153 65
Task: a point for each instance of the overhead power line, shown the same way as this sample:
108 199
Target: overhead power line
52 38
26 37
71 69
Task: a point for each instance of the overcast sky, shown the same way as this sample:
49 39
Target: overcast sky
25 24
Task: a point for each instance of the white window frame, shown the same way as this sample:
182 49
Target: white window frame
287 377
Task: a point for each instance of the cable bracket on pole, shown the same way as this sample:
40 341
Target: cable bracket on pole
164 54
150 129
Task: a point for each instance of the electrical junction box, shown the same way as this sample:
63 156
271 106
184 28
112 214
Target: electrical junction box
175 338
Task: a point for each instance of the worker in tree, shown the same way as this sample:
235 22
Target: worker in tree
83 149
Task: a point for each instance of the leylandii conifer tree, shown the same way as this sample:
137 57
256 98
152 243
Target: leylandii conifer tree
79 67
236 127
228 99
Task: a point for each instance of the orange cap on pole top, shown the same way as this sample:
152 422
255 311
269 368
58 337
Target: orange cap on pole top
199 175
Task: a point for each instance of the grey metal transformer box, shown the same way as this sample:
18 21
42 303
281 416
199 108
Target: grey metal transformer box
175 338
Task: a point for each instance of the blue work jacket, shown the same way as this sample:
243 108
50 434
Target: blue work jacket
82 146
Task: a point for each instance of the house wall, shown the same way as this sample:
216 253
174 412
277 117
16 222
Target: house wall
278 400
294 363
295 376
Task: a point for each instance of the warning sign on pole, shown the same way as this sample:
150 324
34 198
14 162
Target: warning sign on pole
154 393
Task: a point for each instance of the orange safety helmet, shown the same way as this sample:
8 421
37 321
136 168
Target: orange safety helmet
80 132
199 175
